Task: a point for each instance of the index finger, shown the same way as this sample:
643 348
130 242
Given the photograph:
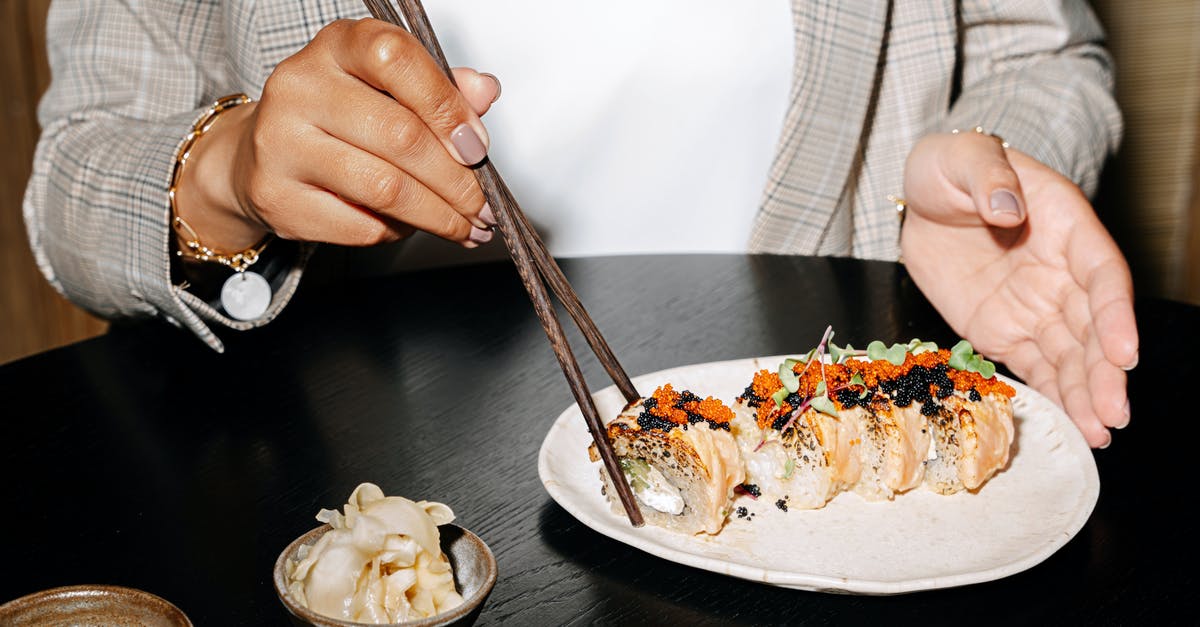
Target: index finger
391 60
1099 268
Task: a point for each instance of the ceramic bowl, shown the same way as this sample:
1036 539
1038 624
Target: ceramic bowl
92 605
474 575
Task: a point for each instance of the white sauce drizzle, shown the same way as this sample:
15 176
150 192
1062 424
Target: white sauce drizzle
659 493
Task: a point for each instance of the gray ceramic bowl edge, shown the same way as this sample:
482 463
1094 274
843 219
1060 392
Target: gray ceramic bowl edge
92 605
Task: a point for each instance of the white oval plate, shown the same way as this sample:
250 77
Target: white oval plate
918 541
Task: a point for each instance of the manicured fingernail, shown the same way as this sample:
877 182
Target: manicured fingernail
499 87
480 236
1132 364
1125 412
1107 442
1003 201
468 144
486 215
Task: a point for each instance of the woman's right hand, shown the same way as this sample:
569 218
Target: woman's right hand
358 139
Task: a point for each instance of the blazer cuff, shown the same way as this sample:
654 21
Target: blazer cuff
99 217
1060 114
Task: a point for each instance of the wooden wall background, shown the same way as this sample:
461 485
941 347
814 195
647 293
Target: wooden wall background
33 317
1150 197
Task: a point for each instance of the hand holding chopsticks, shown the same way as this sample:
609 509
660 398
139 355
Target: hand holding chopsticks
534 264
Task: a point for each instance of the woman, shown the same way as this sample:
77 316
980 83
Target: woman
356 138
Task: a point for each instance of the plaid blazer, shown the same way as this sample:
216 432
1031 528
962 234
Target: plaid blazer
871 77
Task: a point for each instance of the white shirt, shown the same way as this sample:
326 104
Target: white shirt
626 126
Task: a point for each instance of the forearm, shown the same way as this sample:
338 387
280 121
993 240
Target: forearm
96 207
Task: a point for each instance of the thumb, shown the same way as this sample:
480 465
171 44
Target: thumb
479 88
984 172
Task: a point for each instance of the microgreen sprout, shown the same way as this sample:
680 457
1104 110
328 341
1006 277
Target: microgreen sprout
817 354
824 405
964 357
828 335
858 380
916 346
839 354
779 396
985 368
791 382
960 354
820 400
895 353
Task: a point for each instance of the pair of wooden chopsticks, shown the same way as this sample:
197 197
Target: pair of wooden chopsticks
534 264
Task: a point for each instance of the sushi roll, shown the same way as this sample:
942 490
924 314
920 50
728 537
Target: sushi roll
795 456
973 433
877 427
952 425
680 459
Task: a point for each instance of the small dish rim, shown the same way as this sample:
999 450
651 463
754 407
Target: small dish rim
469 605
109 592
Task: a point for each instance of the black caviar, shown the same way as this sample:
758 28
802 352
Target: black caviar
646 420
918 385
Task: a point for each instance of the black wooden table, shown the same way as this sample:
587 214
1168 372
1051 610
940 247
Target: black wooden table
143 459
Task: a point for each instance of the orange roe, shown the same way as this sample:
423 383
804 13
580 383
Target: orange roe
837 376
765 383
713 410
669 407
667 398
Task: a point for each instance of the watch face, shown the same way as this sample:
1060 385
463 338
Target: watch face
245 295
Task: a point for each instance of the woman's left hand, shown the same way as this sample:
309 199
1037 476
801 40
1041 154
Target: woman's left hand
1012 254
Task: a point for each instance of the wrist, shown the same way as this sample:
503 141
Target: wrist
206 196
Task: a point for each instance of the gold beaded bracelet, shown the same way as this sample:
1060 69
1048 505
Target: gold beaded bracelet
238 262
191 246
901 206
979 129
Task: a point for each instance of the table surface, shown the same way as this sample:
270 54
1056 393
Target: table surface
143 459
